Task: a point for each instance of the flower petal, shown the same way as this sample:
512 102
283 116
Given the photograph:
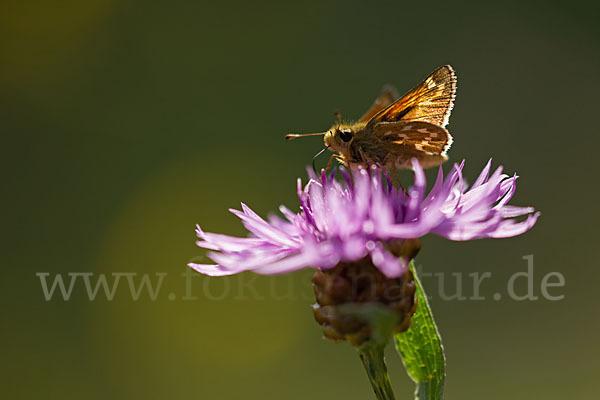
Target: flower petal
389 265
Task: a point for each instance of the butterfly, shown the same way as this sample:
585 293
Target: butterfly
395 130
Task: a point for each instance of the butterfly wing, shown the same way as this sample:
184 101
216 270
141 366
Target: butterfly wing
431 101
404 140
388 95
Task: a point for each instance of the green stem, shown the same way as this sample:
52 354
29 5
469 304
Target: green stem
372 358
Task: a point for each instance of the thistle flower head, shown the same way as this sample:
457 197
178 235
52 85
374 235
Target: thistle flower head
365 216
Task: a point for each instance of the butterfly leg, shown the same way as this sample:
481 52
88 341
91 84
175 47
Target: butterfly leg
364 158
334 157
396 178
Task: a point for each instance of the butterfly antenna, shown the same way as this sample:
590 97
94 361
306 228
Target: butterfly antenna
338 115
297 135
315 157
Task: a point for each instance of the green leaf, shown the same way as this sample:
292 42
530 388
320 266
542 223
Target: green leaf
421 349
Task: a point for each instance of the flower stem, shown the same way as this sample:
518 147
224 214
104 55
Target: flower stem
372 358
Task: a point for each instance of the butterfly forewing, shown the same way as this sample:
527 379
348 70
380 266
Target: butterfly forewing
431 101
388 95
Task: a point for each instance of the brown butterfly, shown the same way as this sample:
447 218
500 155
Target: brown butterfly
393 131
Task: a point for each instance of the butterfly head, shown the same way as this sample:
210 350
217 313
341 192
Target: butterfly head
339 138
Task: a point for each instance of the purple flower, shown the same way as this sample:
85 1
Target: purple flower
359 217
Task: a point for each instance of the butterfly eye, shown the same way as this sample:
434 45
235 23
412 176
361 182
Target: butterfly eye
346 135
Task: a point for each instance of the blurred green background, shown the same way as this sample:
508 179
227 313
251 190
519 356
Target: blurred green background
124 123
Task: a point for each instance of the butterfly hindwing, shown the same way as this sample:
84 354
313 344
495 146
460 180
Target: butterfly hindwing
405 140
